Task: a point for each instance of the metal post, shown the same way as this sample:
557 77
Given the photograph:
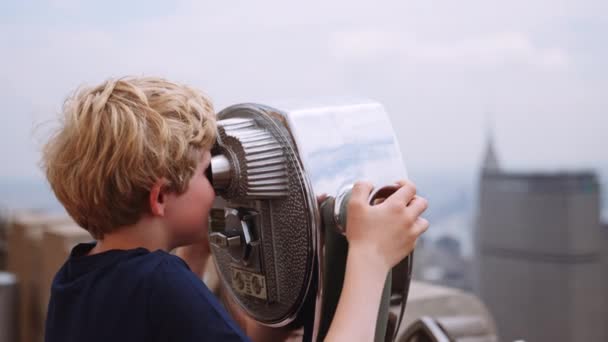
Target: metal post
8 307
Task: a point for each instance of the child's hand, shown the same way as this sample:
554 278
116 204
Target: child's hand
195 255
379 236
386 232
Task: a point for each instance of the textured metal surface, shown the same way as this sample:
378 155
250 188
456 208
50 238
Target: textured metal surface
260 158
270 182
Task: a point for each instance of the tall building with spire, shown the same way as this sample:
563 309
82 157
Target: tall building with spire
490 162
540 257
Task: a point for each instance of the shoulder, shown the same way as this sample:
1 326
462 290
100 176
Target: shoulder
185 307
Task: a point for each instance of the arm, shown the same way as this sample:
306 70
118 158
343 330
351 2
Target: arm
356 314
183 309
255 331
379 237
196 256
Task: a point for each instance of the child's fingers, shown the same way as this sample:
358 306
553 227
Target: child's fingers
420 226
360 193
322 197
417 206
404 194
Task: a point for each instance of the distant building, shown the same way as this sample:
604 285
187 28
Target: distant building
449 245
541 257
441 263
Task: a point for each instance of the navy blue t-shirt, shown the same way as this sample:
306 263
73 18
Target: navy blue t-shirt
133 295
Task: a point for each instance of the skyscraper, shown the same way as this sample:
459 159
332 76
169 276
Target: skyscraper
540 254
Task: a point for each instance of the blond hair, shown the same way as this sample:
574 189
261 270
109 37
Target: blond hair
117 139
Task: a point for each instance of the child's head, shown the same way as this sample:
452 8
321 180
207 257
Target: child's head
121 140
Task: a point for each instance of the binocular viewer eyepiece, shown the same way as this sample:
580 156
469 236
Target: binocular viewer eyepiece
283 175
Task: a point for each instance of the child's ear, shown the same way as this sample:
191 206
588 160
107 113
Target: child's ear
157 198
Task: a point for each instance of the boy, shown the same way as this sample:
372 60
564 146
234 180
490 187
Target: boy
128 164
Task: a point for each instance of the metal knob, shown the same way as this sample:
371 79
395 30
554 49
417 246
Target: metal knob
236 237
335 210
221 172
221 240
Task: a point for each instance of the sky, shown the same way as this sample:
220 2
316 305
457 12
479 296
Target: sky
534 73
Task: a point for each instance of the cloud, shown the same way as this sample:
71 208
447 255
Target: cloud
485 50
66 5
436 65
